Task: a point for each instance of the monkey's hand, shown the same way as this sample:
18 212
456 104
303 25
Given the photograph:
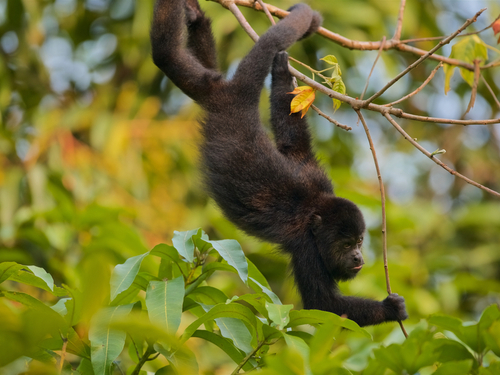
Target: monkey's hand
395 309
316 21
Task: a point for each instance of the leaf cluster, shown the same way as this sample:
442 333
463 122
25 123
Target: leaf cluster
151 318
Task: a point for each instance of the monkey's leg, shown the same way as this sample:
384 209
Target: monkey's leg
253 69
291 132
200 39
170 55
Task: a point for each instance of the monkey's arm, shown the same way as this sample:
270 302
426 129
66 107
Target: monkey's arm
318 291
253 69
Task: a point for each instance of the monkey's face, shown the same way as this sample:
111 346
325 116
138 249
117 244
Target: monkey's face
346 259
338 233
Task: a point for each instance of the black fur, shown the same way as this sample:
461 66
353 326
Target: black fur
275 191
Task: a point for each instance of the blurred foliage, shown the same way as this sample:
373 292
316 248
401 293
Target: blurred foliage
157 314
98 157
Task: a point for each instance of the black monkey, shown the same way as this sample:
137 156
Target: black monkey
275 191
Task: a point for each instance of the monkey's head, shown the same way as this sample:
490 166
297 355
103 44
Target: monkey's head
338 228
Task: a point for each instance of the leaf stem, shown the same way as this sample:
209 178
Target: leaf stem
145 357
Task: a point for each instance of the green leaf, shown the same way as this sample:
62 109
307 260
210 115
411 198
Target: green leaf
313 317
297 344
44 275
322 342
26 276
390 357
447 322
165 251
60 306
454 368
468 49
183 242
164 302
201 241
106 343
55 323
235 330
448 73
492 338
236 355
330 59
338 86
9 268
208 295
257 301
124 274
279 314
231 252
256 286
257 276
232 310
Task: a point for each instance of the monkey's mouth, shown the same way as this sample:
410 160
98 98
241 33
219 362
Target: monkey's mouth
358 268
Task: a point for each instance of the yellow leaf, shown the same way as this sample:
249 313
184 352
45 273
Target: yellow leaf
304 97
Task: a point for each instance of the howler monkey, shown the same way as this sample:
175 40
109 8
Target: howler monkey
273 190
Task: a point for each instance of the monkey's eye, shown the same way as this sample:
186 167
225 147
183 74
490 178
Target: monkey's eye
347 245
360 241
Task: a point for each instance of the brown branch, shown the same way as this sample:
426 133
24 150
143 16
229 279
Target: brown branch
373 66
355 103
433 73
434 159
399 25
268 14
384 217
424 57
348 43
491 91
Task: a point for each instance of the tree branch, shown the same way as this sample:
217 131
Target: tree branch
434 159
352 44
384 218
433 73
373 67
399 27
424 57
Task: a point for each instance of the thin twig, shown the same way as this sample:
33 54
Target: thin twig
373 66
333 121
399 25
491 91
474 87
63 353
441 37
434 159
424 57
268 14
248 357
433 73
384 218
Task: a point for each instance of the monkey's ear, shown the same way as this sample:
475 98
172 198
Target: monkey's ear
316 222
